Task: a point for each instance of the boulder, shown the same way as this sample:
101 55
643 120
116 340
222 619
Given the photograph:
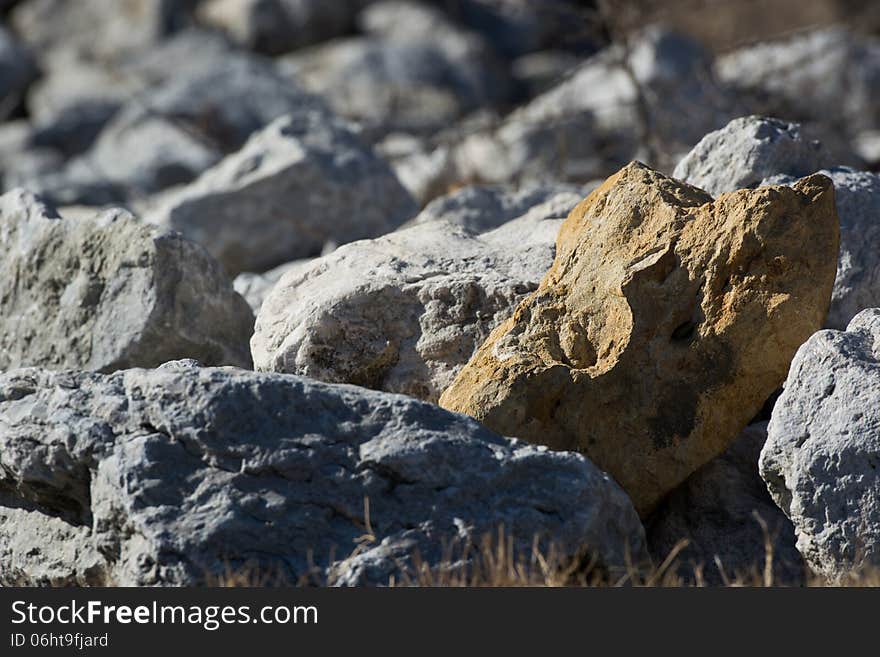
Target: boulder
419 77
621 103
305 180
177 130
821 461
746 151
663 325
186 475
719 511
404 312
278 26
108 292
857 285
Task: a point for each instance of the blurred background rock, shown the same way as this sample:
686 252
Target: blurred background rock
118 101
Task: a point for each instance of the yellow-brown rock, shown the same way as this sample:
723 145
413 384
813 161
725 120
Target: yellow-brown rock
662 327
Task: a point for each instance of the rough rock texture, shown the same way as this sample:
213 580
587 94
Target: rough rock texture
715 511
748 150
109 292
858 268
279 26
179 475
663 325
405 311
305 180
822 457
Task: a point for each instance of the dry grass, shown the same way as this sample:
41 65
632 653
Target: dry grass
494 563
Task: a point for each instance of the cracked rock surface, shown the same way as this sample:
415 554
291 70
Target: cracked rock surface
404 312
178 475
821 461
662 327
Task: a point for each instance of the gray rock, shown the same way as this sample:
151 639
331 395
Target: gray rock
77 96
170 134
255 287
97 29
181 476
821 461
829 75
109 292
17 71
303 181
621 104
746 151
406 311
279 26
415 79
479 209
715 511
857 285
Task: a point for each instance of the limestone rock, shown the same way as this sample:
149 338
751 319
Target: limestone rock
821 461
178 476
746 151
305 180
405 311
108 292
717 510
857 285
663 325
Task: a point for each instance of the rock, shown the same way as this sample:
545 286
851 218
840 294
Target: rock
480 209
405 311
17 71
77 96
857 286
184 126
417 79
279 26
517 27
97 29
109 292
827 75
822 455
598 118
663 325
304 180
180 476
255 287
719 510
748 150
